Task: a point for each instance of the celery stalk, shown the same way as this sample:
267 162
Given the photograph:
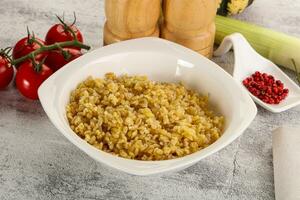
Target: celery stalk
278 47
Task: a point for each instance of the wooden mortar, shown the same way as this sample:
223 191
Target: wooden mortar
190 23
127 19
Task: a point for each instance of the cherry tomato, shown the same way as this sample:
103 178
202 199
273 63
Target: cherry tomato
24 47
28 79
58 33
6 72
55 59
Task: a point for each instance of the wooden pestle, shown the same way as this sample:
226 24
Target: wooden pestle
127 19
190 23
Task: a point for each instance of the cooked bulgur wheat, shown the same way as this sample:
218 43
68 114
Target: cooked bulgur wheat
135 118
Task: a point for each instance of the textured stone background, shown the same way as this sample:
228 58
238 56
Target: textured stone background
37 162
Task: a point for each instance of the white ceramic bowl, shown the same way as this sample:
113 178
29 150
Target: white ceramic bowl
160 60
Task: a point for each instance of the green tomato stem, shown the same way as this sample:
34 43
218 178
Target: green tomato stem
45 48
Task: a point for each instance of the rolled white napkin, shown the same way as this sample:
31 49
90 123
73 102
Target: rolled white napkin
286 161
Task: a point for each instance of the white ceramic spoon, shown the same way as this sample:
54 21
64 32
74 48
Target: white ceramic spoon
247 61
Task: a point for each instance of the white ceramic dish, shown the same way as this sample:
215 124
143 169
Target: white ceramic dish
160 60
247 61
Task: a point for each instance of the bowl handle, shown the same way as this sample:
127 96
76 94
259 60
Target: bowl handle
243 51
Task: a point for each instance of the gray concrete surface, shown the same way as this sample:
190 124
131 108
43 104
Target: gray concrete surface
37 162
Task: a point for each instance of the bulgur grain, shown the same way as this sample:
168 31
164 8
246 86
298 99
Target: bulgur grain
135 118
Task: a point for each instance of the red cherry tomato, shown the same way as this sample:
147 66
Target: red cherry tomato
28 79
55 59
58 33
6 72
24 47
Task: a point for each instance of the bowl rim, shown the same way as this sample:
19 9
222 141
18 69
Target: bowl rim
45 98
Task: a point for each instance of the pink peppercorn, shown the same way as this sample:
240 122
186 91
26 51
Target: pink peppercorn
266 88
